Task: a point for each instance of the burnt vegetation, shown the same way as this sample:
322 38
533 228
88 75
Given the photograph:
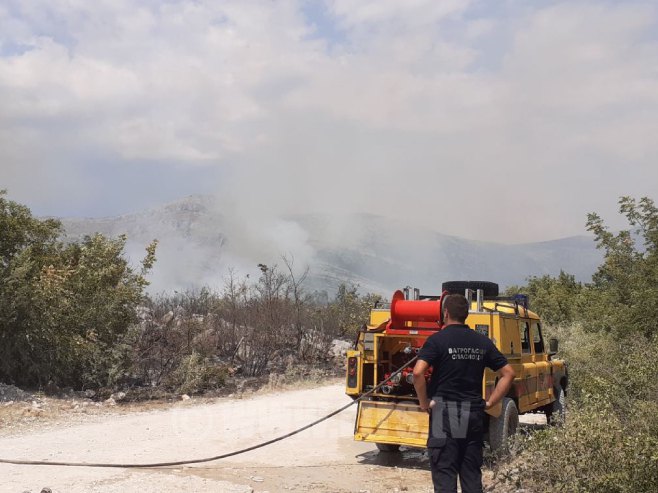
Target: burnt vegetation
76 314
192 341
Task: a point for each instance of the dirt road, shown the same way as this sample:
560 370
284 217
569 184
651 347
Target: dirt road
323 459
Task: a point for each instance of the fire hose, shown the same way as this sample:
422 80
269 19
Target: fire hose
216 457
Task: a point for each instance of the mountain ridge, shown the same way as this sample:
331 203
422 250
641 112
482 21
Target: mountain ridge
198 243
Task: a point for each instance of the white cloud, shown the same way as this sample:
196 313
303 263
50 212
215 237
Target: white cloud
411 13
504 125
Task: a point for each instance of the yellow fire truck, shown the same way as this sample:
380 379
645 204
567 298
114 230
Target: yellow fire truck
391 416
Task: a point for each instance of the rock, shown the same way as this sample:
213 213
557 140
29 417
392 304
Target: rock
90 394
339 348
185 397
111 402
46 490
118 397
168 317
11 393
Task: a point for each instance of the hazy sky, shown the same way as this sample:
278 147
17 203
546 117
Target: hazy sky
505 120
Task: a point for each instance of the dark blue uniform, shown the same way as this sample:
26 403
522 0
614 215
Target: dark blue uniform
458 356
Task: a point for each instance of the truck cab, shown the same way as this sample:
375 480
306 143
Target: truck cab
391 416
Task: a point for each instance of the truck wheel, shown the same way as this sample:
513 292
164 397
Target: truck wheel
548 411
489 288
504 426
388 447
559 410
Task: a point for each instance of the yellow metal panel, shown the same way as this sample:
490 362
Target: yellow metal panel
510 340
379 315
391 422
543 381
479 319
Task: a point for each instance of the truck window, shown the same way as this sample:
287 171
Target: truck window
537 338
525 336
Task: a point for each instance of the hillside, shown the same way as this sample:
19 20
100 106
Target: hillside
198 244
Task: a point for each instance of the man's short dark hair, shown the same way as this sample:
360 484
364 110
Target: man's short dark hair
457 307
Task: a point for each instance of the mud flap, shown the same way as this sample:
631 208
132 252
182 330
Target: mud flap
390 422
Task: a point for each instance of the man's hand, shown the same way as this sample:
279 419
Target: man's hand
506 378
427 405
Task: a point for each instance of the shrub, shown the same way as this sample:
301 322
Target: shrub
64 307
194 374
609 443
610 440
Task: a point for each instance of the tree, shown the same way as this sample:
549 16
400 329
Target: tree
19 230
349 310
64 307
299 298
623 296
555 299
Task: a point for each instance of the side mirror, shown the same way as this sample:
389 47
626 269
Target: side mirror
553 346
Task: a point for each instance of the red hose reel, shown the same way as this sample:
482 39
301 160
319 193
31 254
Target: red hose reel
421 317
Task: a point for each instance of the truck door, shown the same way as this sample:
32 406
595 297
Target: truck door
506 335
544 378
528 386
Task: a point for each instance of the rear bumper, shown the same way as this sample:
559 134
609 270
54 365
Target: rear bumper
391 422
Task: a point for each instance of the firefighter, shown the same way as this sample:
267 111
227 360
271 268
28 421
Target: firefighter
458 356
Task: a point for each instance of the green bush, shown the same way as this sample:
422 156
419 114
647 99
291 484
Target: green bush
609 443
555 298
195 375
597 452
65 308
608 335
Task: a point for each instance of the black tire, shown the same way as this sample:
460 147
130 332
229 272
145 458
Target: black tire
388 447
458 287
504 426
548 411
559 409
